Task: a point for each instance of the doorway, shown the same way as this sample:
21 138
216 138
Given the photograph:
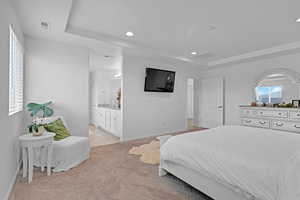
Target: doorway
105 83
191 107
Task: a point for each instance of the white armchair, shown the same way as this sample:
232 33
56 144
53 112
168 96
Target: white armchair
68 152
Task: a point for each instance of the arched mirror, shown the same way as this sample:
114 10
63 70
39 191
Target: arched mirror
277 86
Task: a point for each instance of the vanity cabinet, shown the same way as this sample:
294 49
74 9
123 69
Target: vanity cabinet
109 120
286 119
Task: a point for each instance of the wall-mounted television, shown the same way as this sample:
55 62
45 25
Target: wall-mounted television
158 80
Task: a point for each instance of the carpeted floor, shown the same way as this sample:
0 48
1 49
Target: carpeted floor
99 137
110 174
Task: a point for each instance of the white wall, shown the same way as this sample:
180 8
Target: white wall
59 72
11 127
240 80
147 113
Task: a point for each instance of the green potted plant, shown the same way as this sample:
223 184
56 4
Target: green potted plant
39 111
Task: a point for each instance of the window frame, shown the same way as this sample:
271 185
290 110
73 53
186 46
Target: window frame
269 92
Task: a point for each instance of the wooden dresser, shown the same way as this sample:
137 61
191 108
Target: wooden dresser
287 119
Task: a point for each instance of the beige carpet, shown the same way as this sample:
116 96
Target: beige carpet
99 137
110 174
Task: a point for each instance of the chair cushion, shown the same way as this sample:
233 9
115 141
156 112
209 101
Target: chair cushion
58 128
69 152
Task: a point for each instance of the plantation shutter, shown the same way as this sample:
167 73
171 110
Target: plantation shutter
15 74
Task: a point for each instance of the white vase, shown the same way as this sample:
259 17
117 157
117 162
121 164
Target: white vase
40 131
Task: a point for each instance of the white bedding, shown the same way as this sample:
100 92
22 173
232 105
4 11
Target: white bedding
261 162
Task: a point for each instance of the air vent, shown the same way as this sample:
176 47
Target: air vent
45 26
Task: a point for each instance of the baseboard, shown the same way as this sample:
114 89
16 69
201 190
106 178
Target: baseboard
153 135
13 181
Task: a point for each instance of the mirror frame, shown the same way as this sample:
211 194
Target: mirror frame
291 74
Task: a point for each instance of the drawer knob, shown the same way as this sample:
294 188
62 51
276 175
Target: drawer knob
279 113
262 122
279 124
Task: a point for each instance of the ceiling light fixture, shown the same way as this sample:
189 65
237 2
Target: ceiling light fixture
298 20
129 34
194 53
118 75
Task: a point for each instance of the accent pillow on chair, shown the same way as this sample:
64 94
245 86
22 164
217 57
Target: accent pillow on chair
58 128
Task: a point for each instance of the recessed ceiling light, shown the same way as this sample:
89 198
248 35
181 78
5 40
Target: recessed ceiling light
129 34
194 53
298 20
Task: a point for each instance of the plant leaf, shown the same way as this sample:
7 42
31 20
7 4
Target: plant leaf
48 112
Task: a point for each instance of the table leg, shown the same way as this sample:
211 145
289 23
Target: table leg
42 157
49 159
30 162
24 157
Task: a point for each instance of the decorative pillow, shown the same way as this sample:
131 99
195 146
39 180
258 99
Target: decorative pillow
58 128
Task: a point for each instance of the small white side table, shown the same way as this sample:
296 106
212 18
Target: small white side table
28 143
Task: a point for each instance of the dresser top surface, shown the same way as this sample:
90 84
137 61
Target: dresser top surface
267 108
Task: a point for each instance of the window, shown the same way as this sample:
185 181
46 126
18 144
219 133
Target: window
15 74
271 94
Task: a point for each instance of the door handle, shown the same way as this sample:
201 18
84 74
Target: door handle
220 106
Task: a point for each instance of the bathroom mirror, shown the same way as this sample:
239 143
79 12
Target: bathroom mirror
277 86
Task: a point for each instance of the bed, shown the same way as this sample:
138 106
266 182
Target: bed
236 162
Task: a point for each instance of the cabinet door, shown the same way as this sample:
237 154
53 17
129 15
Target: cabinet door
113 122
116 123
108 120
101 118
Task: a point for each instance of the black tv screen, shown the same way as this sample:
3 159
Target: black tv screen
158 80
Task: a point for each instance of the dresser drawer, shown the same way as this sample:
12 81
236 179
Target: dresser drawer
262 123
247 112
273 113
256 122
295 115
286 125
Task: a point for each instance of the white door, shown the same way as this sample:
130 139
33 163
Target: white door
190 98
211 99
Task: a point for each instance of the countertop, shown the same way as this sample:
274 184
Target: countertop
108 106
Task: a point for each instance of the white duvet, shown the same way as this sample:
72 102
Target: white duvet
261 162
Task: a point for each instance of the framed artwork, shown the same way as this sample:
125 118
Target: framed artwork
296 103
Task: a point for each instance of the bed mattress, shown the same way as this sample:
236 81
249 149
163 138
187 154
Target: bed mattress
263 163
